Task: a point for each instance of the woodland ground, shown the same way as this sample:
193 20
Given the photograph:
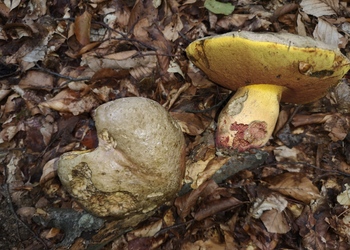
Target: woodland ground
61 59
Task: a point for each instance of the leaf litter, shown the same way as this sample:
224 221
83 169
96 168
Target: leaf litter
60 60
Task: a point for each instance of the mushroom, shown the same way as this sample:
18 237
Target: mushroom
264 68
138 165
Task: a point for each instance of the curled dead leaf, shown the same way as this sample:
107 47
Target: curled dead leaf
70 101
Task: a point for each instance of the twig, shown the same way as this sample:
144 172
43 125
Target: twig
69 78
208 109
9 202
332 171
164 230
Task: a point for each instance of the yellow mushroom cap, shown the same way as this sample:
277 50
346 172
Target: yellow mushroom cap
305 67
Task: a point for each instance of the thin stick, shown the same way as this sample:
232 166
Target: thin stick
9 202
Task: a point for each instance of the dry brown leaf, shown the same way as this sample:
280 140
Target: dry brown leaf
216 206
10 104
36 80
272 201
344 197
146 243
197 77
12 4
319 8
49 171
71 101
295 185
327 33
122 55
5 11
39 130
146 231
190 123
52 233
10 128
275 221
142 10
211 168
96 63
301 30
343 224
171 31
301 120
285 154
235 20
185 203
26 213
337 124
82 28
206 245
284 9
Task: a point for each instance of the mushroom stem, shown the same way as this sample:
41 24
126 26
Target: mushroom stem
249 118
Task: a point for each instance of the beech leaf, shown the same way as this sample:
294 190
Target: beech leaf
295 185
218 7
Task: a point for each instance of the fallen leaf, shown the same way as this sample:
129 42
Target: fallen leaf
82 26
318 8
12 4
37 80
272 201
190 123
71 101
219 7
275 221
185 203
171 31
327 33
344 197
216 206
295 185
146 231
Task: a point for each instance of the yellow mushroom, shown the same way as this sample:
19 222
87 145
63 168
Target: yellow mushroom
264 68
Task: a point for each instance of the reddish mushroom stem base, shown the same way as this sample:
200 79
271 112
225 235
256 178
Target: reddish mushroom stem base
249 118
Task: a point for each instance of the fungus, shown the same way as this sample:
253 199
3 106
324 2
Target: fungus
138 165
264 68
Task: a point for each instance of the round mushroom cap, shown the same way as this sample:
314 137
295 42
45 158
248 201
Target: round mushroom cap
305 67
138 165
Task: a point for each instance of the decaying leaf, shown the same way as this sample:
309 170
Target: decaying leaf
295 185
72 101
60 61
37 80
82 28
319 8
272 201
216 206
147 231
327 33
344 197
275 221
337 124
185 203
219 7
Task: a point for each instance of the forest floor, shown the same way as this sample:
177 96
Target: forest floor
62 59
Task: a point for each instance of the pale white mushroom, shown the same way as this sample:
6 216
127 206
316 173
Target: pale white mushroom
138 165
